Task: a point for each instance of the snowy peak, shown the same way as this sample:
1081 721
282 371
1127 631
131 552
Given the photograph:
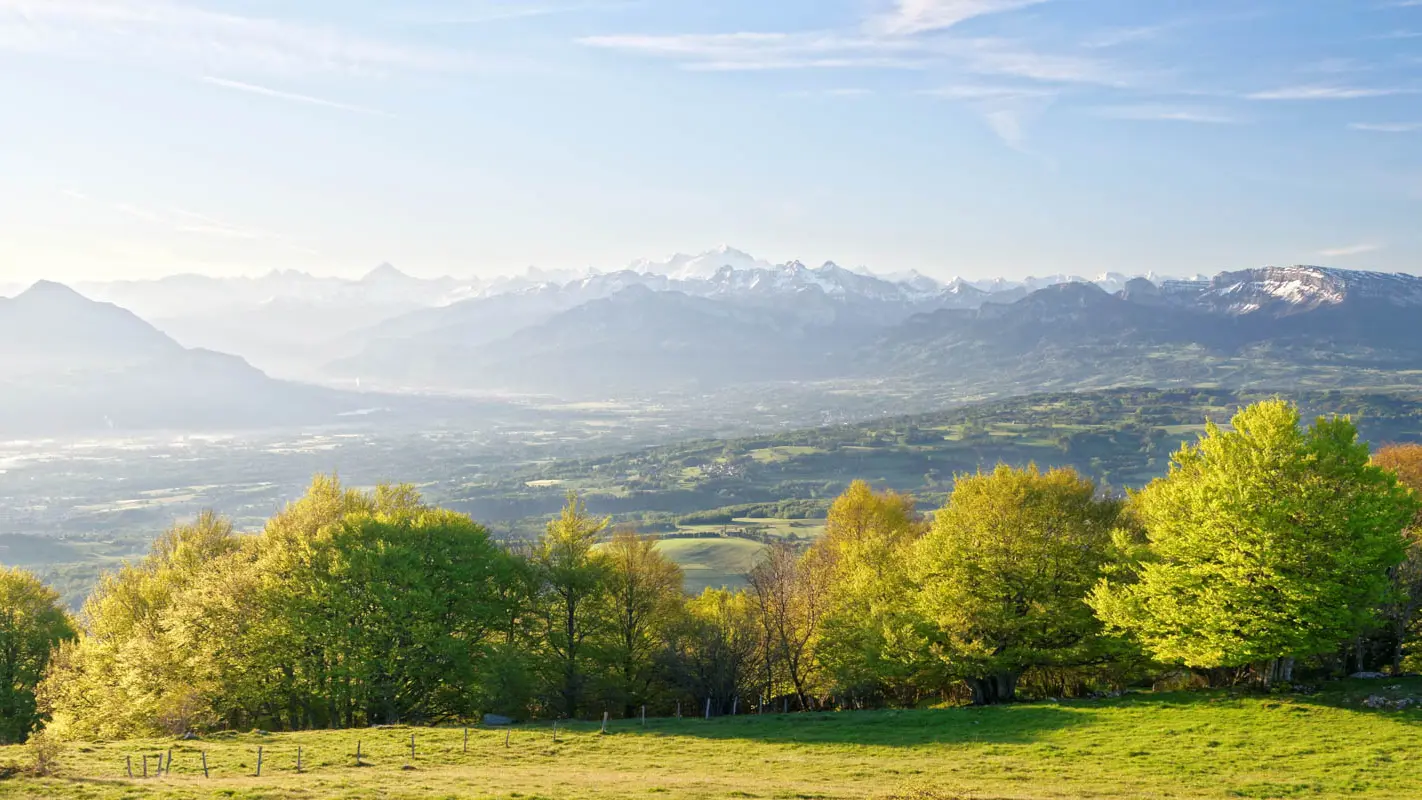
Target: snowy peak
1283 291
702 267
386 273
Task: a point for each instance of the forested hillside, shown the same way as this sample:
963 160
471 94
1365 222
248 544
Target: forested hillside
1273 551
1121 438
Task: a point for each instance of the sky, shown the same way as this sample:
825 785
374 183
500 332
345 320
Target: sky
971 138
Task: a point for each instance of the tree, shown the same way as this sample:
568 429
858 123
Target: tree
715 649
123 675
372 608
573 584
790 594
644 594
1401 611
1004 573
1263 544
864 551
32 626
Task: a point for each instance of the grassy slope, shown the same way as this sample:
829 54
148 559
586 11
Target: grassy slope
712 562
1210 745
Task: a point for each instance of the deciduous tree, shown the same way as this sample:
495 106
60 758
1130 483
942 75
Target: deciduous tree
32 626
1004 572
1264 543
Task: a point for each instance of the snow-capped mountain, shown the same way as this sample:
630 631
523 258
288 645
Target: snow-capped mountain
703 267
1283 291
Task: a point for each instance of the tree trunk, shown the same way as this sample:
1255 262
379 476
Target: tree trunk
994 689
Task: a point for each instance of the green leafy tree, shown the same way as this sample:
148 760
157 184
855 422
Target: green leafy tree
123 676
1004 572
572 607
715 650
644 597
1263 544
373 608
865 549
1401 611
32 626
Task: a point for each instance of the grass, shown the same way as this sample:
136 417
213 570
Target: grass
719 562
1184 746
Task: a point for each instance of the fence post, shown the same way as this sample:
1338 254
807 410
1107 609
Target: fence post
128 765
298 759
644 716
169 766
466 740
412 748
735 705
259 761
204 764
708 708
145 766
507 733
604 723
358 753
555 730
678 709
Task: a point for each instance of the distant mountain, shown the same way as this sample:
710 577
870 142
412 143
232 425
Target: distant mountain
703 267
1276 326
75 366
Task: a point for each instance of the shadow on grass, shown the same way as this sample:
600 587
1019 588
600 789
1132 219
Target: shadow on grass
999 725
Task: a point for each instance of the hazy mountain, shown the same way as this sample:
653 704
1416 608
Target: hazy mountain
71 365
1276 326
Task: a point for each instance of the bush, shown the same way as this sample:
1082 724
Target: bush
44 749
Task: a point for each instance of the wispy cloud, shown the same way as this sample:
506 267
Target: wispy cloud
908 17
748 51
1121 36
506 12
1387 127
756 51
1350 250
1325 92
844 93
1150 112
1006 110
264 91
178 33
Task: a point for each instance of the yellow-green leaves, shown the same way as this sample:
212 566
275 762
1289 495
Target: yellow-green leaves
1266 541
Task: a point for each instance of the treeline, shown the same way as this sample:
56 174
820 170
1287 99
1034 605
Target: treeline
1270 551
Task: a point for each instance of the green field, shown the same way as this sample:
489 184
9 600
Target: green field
1201 745
712 562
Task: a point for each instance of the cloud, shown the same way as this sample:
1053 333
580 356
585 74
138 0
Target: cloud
177 33
909 17
1119 36
1387 127
749 51
505 13
1350 250
1007 110
756 51
1324 92
1164 113
297 98
847 93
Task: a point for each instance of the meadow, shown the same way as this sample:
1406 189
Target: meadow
1214 744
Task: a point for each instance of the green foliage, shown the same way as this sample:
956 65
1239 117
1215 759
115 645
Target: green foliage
1265 542
571 618
32 626
1004 572
865 550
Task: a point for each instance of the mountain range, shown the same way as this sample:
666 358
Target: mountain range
686 325
72 365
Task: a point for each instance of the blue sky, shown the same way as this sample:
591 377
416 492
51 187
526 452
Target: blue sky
956 137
